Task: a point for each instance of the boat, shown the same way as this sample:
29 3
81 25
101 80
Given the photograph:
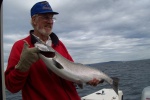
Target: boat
104 94
146 93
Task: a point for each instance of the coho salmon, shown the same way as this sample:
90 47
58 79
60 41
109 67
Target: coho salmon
75 72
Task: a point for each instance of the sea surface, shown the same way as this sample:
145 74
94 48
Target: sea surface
134 77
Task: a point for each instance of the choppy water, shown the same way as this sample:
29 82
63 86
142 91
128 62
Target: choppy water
134 76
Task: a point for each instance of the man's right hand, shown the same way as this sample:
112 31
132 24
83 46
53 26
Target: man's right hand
27 58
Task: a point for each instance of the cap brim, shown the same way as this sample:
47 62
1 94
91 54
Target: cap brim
55 13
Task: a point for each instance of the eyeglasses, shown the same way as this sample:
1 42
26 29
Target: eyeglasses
47 18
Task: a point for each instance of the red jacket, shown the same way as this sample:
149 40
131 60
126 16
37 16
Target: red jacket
38 83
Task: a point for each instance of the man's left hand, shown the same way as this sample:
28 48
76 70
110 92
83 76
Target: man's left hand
95 82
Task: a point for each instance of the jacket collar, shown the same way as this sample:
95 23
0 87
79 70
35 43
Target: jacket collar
53 36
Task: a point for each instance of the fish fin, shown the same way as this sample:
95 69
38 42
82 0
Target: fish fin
57 64
101 81
80 86
115 84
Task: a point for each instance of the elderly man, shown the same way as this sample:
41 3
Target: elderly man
28 73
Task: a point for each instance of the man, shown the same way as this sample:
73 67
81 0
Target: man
28 73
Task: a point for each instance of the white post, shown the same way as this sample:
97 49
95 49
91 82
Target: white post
2 91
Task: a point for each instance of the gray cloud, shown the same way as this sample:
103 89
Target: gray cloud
92 30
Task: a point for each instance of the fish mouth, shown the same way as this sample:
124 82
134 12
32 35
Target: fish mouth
48 54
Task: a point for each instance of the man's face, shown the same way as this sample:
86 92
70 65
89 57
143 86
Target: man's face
44 23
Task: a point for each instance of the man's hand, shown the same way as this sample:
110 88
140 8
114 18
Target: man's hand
95 82
27 58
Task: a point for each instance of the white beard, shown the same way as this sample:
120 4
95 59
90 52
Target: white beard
43 32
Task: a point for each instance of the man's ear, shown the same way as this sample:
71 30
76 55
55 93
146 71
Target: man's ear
34 20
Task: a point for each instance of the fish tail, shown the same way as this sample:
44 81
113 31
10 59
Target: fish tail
115 84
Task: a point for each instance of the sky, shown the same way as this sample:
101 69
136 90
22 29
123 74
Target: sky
93 31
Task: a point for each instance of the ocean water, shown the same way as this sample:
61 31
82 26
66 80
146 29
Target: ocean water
134 77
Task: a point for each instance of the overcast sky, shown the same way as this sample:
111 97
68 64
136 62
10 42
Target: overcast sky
92 30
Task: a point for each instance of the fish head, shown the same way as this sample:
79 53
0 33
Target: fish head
45 49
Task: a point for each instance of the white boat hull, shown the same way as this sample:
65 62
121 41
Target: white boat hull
146 93
104 94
